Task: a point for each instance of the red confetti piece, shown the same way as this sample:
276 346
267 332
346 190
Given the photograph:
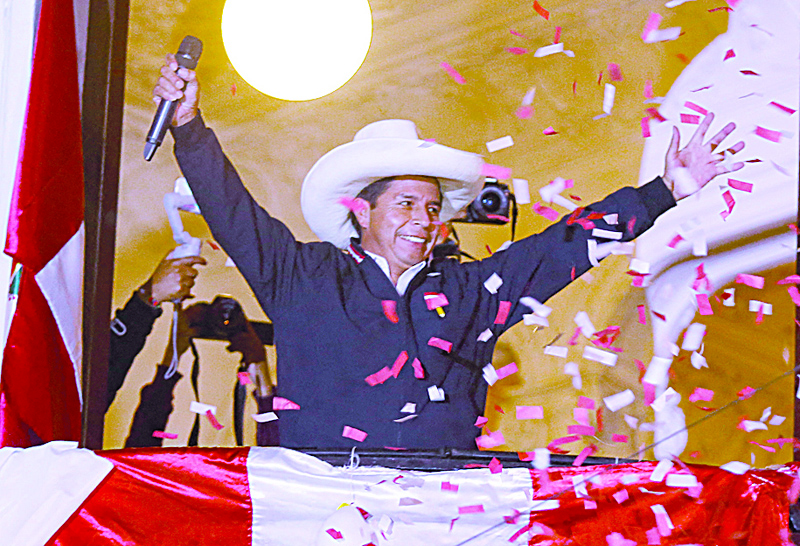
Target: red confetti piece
495 466
791 279
165 435
584 454
502 312
524 112
746 393
794 228
472 509
783 108
645 127
572 273
336 535
614 72
557 36
458 78
649 393
659 315
730 202
642 314
435 300
729 55
490 440
499 409
574 339
526 456
549 131
721 8
233 89
631 225
765 448
749 73
399 362
516 50
390 310
439 343
772 136
653 113
480 421
689 118
701 88
354 434
279 403
540 10
754 281
760 314
244 378
574 87
512 519
213 420
599 417
515 33
682 58
739 185
697 108
213 244
600 77
547 212
378 377
419 371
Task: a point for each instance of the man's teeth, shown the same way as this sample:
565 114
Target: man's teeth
412 238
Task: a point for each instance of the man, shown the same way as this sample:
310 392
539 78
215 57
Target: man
380 344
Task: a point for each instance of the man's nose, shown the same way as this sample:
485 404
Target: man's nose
422 217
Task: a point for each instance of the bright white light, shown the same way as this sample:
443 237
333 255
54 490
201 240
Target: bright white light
297 49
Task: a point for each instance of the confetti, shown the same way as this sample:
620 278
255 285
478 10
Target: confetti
379 377
480 421
693 338
549 131
495 171
213 420
458 78
447 486
540 10
516 51
642 314
560 352
703 305
584 454
547 212
490 440
472 509
435 300
599 355
439 343
735 467
244 378
354 434
690 118
760 307
585 324
521 191
583 430
485 336
663 35
390 310
436 394
652 23
783 108
619 400
614 72
645 127
663 523
353 204
794 294
500 143
279 403
505 371
530 412
606 234
619 438
197 407
164 435
557 35
493 283
336 535
419 371
739 185
265 417
495 466
399 362
772 136
754 281
621 496
502 312
616 539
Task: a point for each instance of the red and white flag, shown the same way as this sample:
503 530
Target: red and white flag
40 379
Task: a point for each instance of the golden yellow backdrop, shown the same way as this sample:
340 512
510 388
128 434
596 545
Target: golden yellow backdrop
274 143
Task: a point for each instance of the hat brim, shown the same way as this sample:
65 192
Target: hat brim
349 168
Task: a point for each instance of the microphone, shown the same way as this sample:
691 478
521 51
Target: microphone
187 56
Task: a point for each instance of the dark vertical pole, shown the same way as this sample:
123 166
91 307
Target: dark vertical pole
103 94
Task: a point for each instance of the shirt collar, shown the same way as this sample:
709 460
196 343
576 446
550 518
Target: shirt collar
405 278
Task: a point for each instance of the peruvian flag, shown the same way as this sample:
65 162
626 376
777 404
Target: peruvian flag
40 379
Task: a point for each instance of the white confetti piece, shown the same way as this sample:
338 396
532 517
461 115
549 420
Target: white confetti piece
693 337
750 426
527 100
538 308
500 143
625 249
735 467
640 266
631 421
490 374
611 219
493 283
599 355
551 50
485 336
564 202
606 234
197 407
229 262
560 352
541 458
755 304
541 505
674 349
676 3
608 98
435 394
660 471
729 301
579 486
410 407
585 324
591 251
698 361
264 417
530 319
619 400
522 191
765 414
657 370
553 188
404 419
668 396
629 479
663 35
700 246
777 420
682 480
658 509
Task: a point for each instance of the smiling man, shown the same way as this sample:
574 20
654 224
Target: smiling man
381 344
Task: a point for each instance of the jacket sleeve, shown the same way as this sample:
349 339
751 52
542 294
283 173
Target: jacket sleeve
262 247
129 330
153 411
541 265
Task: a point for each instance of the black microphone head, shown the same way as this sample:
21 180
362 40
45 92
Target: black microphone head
189 52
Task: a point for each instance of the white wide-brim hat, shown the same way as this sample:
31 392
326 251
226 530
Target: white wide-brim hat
385 148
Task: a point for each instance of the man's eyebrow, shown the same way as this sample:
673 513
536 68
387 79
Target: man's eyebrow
436 202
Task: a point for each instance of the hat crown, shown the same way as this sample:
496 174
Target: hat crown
389 128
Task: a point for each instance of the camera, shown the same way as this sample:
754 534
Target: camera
492 206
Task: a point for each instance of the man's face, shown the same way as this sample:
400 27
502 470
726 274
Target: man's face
404 224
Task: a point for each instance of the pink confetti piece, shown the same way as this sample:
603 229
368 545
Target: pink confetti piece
279 403
495 466
547 212
419 371
584 454
435 299
619 438
540 10
213 420
354 205
783 108
760 314
772 136
390 310
502 312
563 440
524 112
729 55
701 394
439 343
653 113
765 448
729 202
674 241
165 435
530 412
447 486
791 279
354 434
739 185
549 131
648 89
581 415
515 33
480 421
690 118
653 20
574 339
781 441
697 108
378 377
505 371
557 36
621 496
653 538
495 171
746 393
472 509
662 525
645 127
458 78
583 430
749 73
586 403
516 50
589 505
336 535
490 440
704 306
616 539
794 294
399 362
649 392
754 281
244 378
642 314
614 72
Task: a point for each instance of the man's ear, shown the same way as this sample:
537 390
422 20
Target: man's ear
361 210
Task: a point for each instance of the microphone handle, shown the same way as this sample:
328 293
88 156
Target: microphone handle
158 129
